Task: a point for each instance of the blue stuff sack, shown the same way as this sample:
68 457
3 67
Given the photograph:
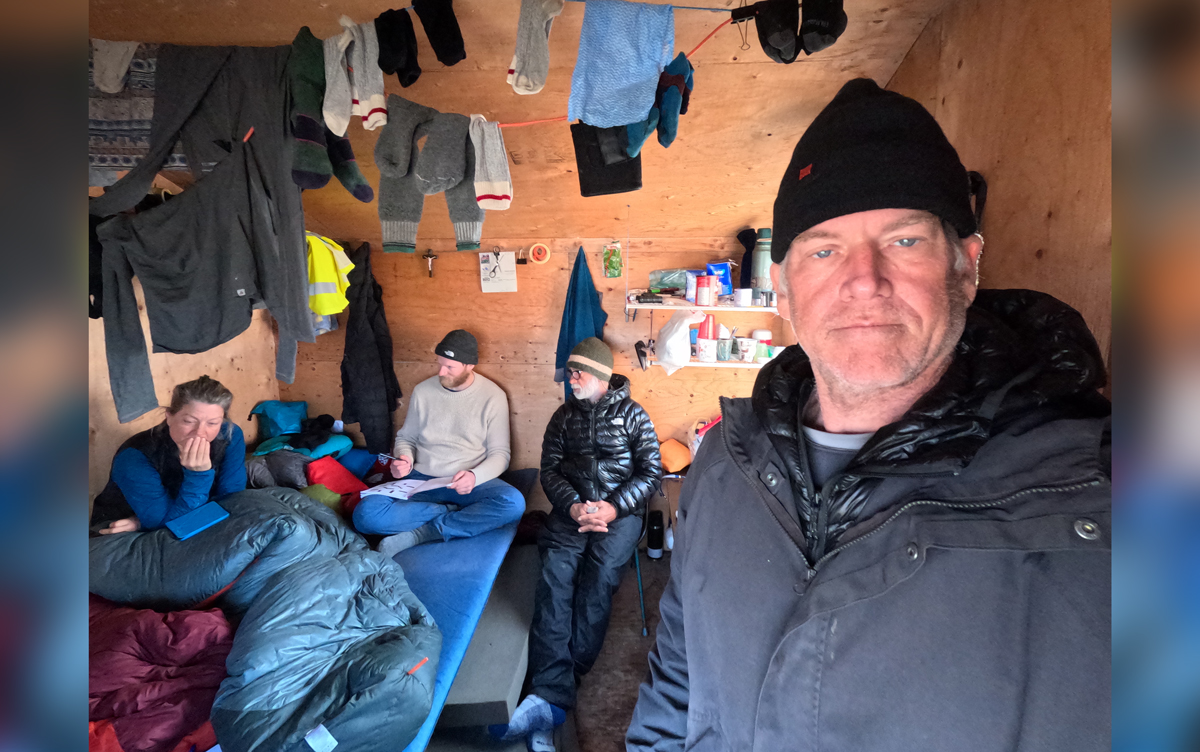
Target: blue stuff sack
276 417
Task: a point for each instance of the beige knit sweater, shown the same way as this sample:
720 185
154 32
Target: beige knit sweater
445 432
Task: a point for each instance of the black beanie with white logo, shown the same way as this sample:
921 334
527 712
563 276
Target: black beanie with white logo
870 149
459 345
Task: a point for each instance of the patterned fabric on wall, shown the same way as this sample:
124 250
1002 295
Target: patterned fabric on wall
119 124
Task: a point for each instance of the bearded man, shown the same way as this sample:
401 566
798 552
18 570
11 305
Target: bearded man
456 427
600 466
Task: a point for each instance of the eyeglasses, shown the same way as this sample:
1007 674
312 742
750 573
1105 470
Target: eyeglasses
573 374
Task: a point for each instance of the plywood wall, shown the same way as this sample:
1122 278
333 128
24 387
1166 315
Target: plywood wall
1023 90
245 364
518 333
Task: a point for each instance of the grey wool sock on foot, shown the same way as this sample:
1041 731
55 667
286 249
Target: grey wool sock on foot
394 544
531 60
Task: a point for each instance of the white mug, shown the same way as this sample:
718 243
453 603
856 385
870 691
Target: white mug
742 296
706 350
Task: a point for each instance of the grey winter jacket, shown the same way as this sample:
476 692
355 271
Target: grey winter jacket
948 591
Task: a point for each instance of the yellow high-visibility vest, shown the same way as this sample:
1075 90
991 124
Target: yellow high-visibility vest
328 266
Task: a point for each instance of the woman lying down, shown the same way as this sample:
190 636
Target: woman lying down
194 456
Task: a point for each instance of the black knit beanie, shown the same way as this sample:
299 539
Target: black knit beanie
459 345
398 46
870 149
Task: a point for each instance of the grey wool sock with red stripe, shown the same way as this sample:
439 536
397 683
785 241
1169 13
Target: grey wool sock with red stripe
345 167
306 75
493 184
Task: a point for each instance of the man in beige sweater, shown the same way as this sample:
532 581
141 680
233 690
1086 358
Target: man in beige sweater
456 427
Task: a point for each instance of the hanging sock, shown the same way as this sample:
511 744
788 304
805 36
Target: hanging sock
823 22
366 79
441 27
311 168
776 22
398 46
110 63
493 184
345 167
339 98
531 60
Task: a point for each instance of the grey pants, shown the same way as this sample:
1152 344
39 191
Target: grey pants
580 574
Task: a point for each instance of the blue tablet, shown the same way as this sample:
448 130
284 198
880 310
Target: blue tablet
201 518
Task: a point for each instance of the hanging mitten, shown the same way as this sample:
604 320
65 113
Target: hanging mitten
674 90
306 79
345 167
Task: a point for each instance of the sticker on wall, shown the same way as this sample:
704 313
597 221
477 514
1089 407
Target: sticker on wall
498 271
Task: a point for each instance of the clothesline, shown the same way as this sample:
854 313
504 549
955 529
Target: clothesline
561 118
677 7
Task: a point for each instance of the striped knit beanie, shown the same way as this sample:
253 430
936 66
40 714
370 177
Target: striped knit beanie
593 356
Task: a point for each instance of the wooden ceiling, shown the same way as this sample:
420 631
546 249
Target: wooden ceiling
720 175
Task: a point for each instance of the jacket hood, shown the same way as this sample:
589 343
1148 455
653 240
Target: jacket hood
1020 350
618 389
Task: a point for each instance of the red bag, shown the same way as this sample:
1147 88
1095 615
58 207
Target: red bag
333 475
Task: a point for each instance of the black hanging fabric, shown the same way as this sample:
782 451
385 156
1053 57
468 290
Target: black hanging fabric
370 391
598 175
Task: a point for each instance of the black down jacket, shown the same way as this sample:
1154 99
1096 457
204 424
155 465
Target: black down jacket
1023 356
601 451
951 590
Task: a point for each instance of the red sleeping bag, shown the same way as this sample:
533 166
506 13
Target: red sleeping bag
152 677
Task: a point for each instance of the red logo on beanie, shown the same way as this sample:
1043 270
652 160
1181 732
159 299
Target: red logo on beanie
804 173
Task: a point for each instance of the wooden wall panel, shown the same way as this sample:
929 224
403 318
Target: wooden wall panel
245 364
518 333
1023 90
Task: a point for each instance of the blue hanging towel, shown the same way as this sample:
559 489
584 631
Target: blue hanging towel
623 48
582 316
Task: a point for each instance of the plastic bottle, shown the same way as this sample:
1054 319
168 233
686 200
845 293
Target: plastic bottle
760 269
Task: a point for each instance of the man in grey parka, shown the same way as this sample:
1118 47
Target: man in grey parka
901 541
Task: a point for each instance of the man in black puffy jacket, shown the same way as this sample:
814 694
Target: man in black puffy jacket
600 465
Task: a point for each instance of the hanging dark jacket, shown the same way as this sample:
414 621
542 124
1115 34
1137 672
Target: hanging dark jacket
370 391
601 451
949 590
232 242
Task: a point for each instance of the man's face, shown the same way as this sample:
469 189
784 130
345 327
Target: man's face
873 298
452 374
584 385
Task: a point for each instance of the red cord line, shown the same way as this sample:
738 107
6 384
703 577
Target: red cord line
561 118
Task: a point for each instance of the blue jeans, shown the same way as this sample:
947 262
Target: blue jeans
489 505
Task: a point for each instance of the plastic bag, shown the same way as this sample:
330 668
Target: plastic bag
674 348
612 260
661 278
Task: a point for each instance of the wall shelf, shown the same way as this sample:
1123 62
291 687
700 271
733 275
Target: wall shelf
719 364
706 309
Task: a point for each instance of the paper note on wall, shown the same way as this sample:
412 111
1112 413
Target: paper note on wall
498 271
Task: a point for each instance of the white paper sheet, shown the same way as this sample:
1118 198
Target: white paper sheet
498 271
406 487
